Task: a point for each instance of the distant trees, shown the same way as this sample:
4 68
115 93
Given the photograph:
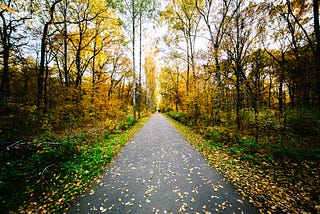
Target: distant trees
261 57
74 69
135 13
151 81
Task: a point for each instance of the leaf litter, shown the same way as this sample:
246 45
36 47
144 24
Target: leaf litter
273 187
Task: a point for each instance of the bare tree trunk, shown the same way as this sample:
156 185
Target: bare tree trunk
237 69
177 93
43 52
5 81
140 65
40 77
238 97
134 87
317 33
65 46
188 66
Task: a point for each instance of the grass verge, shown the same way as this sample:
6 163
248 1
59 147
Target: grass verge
272 185
52 176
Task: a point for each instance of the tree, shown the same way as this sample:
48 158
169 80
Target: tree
317 34
170 87
217 30
134 12
151 85
43 52
183 17
146 13
12 20
295 16
240 40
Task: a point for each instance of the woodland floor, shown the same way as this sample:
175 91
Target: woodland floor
273 185
159 172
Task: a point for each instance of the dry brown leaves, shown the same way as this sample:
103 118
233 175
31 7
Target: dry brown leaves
271 186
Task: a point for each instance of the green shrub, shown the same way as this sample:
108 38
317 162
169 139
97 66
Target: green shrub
106 136
234 150
178 116
212 144
250 146
304 123
130 120
250 158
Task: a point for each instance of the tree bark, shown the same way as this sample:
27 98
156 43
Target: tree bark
43 52
140 65
5 81
134 59
65 46
317 33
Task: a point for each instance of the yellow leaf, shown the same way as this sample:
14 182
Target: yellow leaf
102 209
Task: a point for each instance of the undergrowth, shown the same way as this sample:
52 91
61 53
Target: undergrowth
45 176
277 177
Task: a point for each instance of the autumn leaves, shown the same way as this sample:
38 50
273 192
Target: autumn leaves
158 172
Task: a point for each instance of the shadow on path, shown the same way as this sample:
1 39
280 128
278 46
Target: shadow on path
159 172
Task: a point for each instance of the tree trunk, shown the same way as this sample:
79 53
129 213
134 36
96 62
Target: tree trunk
177 93
5 81
317 33
78 64
188 66
280 98
134 60
238 97
237 69
65 46
40 78
43 52
140 65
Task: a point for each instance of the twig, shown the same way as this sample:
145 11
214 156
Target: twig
42 173
47 167
53 143
14 144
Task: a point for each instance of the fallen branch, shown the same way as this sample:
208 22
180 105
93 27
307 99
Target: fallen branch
14 145
53 143
42 174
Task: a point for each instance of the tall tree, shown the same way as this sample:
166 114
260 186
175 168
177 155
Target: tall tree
135 13
151 85
217 30
240 41
12 18
147 10
317 34
43 52
183 17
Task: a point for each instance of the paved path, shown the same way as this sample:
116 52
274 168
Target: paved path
159 172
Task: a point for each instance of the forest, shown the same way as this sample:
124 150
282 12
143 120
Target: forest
77 77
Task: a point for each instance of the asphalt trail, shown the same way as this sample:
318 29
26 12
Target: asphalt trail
159 172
